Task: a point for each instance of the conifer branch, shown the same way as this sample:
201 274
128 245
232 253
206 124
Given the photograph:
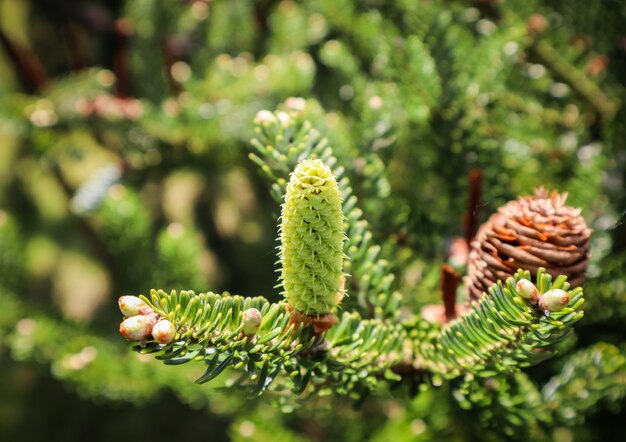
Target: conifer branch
283 140
212 328
590 379
516 325
502 332
509 404
586 88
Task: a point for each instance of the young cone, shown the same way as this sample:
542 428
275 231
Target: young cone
311 237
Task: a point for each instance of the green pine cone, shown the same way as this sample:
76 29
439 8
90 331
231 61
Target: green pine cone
312 238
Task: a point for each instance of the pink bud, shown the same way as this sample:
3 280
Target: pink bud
527 290
132 306
137 328
297 104
251 321
554 300
164 332
264 117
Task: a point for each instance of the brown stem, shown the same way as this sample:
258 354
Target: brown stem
473 204
450 281
30 71
123 31
321 323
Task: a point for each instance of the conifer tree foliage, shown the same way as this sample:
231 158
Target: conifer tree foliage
515 325
127 131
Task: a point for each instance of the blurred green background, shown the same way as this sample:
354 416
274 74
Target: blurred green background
124 129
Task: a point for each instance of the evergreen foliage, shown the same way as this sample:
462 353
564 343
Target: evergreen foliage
126 132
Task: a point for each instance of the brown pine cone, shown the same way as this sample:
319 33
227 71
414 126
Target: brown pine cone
528 233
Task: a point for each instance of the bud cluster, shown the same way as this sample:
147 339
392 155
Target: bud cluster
553 300
142 322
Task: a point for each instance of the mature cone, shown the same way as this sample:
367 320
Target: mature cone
531 232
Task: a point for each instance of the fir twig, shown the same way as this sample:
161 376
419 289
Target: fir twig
500 333
586 88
